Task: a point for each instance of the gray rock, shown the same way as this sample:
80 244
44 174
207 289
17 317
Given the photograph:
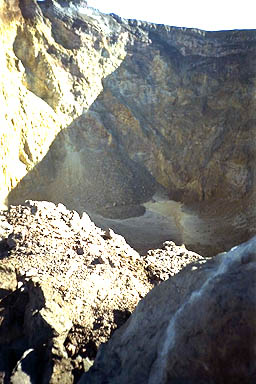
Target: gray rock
25 370
197 327
8 280
5 228
87 364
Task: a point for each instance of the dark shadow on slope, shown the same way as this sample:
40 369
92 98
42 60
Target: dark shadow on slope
6 246
84 172
94 165
19 344
101 163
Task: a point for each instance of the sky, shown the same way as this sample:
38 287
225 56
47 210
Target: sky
210 15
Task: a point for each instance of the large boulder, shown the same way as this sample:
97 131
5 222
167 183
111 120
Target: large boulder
197 327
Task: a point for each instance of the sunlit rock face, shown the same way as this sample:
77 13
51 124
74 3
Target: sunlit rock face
52 66
101 111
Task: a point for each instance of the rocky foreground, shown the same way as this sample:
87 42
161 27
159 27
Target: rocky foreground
196 328
65 286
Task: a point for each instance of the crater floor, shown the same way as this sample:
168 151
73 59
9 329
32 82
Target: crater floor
206 228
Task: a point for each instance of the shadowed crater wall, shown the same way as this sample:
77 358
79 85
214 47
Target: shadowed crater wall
146 110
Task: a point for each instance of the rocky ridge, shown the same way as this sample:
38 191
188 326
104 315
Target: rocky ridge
66 285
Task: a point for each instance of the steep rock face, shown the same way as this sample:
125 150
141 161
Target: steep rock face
50 74
197 327
176 104
183 105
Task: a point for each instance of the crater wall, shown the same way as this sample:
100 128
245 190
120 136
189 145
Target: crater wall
102 112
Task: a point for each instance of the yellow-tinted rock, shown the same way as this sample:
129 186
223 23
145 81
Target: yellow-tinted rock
99 111
43 85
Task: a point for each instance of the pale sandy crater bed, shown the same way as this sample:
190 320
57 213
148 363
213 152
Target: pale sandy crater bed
204 230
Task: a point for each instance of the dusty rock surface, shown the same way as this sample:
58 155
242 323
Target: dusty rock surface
197 327
168 261
66 285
